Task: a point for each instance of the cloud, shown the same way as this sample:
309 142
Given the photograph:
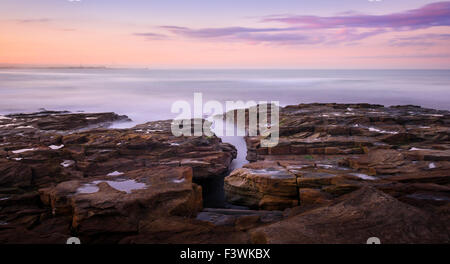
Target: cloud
347 28
405 56
283 36
151 36
33 20
435 14
251 35
425 40
219 32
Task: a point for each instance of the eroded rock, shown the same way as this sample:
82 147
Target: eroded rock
353 219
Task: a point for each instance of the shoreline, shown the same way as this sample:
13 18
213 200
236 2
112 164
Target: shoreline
342 159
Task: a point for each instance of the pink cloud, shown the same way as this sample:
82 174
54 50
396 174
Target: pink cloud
435 14
347 28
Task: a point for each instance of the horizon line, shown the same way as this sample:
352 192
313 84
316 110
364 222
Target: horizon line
99 66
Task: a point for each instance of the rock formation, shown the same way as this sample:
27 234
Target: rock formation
341 173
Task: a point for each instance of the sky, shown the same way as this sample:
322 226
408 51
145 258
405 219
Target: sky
309 34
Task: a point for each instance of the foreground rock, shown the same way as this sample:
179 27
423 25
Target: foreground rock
64 174
353 219
327 150
283 184
341 174
101 209
346 172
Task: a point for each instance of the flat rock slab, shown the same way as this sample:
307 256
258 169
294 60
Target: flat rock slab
97 182
356 217
333 149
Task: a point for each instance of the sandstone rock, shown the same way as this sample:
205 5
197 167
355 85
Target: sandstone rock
309 196
114 206
15 174
61 153
355 218
379 161
335 149
177 230
247 222
330 173
270 188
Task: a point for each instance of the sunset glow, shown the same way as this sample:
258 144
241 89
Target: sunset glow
230 34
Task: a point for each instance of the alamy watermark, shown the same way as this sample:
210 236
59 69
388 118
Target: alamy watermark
247 118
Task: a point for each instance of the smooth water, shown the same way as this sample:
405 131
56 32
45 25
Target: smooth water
146 95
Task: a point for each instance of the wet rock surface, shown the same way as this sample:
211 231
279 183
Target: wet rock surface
354 218
341 173
64 174
331 152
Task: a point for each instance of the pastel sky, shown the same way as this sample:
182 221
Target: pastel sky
312 34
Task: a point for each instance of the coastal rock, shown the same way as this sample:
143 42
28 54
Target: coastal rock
277 186
335 149
341 173
271 188
15 174
61 154
63 120
115 205
353 219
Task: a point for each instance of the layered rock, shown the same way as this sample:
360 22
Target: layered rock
341 173
353 219
359 170
334 149
49 159
285 184
334 129
264 186
105 208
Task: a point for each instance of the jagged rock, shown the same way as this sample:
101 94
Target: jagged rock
276 186
115 205
341 173
272 188
15 174
336 129
63 120
60 152
353 219
429 154
178 230
379 161
335 149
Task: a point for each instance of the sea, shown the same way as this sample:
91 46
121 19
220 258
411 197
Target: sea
148 94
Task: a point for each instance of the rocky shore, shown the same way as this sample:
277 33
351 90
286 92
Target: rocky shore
341 173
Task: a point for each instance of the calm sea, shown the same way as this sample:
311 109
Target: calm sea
146 95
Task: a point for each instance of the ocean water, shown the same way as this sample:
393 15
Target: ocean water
146 95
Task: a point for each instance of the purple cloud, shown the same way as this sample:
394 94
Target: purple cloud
282 38
407 56
287 35
347 28
34 20
151 36
435 14
424 40
250 35
219 32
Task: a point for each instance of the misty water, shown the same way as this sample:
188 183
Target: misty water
147 95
